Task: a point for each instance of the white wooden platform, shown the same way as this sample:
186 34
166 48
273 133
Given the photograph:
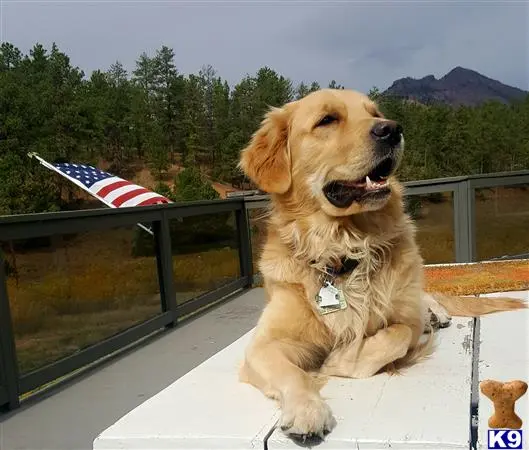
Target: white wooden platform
428 407
504 355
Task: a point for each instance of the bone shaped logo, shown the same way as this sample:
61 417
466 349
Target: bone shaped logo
503 397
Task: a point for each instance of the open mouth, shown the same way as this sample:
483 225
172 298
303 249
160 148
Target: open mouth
373 186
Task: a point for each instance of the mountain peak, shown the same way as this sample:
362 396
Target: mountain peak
461 70
460 73
460 86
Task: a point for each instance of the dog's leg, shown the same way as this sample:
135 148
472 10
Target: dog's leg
288 342
304 412
371 355
438 316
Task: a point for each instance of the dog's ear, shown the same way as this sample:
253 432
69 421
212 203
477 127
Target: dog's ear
266 159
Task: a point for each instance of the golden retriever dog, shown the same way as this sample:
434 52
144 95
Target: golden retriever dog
342 270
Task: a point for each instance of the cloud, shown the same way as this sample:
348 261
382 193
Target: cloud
397 55
359 44
381 42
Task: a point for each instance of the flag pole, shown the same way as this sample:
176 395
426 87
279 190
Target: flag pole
81 185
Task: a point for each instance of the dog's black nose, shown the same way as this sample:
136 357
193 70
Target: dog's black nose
387 132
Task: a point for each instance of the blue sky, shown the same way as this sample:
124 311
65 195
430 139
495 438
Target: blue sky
358 43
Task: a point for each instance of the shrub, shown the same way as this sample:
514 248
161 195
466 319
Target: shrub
189 186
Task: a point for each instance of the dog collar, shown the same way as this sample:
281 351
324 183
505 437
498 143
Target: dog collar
347 265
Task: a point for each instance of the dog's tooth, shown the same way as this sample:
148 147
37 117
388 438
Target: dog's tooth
369 183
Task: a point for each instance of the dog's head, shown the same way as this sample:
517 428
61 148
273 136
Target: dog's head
333 148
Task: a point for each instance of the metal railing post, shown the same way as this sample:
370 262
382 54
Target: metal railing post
8 358
472 238
463 233
245 244
164 262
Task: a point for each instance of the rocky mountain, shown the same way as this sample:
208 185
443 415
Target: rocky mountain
460 86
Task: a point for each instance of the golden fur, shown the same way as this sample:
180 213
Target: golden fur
292 158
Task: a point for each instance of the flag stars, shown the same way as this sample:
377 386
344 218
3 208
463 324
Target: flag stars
88 175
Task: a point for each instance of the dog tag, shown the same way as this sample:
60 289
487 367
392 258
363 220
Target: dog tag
330 299
329 295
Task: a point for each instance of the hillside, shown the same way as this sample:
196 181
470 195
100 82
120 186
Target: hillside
460 86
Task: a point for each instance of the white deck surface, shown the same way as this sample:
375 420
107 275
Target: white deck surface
197 411
427 407
503 356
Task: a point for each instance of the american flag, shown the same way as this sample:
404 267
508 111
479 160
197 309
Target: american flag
110 189
113 191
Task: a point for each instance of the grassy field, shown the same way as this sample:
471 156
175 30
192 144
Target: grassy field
85 288
502 221
90 287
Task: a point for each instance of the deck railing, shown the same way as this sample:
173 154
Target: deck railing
21 289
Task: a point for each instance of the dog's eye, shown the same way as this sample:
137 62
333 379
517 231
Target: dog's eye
327 120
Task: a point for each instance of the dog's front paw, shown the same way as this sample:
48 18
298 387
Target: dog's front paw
438 317
307 418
